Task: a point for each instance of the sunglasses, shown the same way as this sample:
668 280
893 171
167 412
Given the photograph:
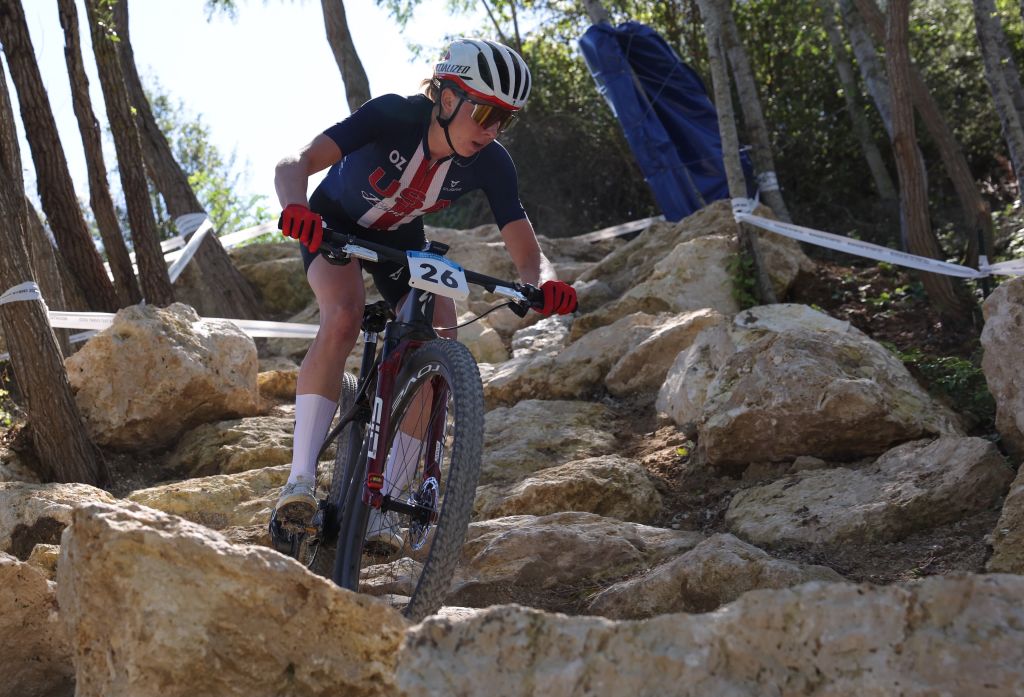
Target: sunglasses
487 115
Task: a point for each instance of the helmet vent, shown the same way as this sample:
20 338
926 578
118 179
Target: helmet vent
485 70
500 62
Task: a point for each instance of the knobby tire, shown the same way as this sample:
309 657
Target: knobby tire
452 365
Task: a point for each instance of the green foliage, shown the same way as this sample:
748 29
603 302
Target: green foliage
213 176
744 279
958 380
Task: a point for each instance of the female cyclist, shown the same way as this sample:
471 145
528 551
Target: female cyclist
391 161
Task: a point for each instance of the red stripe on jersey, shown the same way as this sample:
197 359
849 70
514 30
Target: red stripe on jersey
410 198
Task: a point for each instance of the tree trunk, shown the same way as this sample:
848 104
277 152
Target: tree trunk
597 12
42 255
99 191
753 116
56 191
873 156
749 240
58 433
977 214
210 282
871 69
156 284
357 85
991 38
914 199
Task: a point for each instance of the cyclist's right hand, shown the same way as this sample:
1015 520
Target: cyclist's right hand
302 224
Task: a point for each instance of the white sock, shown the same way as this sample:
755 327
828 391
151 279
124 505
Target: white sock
313 416
401 464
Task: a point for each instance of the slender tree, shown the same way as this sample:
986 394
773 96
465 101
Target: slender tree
730 142
218 289
357 85
42 255
873 156
56 191
99 191
1002 83
750 103
913 188
156 284
977 213
58 433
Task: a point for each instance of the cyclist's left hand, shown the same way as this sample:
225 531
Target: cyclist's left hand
559 298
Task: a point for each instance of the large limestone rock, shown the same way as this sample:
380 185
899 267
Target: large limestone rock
717 571
159 607
33 642
249 254
220 501
535 434
683 267
643 367
32 514
156 372
482 341
802 383
575 372
914 486
1003 342
1008 538
524 556
610 486
682 395
548 337
227 447
943 636
280 284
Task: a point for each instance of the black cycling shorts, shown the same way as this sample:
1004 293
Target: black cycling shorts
390 278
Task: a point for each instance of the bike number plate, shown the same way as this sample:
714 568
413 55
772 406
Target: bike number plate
438 275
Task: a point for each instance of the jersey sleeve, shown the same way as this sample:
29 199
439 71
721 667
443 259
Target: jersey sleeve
500 184
369 121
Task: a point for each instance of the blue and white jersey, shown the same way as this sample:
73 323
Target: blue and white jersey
386 179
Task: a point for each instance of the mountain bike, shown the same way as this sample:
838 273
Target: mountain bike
409 439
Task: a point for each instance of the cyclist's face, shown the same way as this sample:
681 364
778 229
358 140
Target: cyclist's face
468 136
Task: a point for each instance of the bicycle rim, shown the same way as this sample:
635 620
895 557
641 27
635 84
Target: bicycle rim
416 578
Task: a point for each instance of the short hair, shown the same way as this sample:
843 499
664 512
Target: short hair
431 87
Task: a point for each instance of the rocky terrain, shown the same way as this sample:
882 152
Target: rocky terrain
678 496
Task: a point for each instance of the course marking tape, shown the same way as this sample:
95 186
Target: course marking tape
97 321
22 292
186 254
741 212
767 181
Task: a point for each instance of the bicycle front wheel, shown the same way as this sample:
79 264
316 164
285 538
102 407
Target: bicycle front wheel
433 455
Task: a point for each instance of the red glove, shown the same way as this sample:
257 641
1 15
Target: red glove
302 224
559 298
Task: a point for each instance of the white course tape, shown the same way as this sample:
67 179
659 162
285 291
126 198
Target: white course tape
233 239
185 255
22 292
767 181
98 321
866 249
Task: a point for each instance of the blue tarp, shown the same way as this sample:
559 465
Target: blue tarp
669 121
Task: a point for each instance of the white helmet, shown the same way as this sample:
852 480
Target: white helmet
487 71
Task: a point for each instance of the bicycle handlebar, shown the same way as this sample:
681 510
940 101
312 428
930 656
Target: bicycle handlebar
338 246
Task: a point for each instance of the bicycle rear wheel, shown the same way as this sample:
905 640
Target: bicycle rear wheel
439 397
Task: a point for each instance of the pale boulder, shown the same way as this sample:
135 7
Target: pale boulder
803 383
1007 539
682 395
576 372
610 486
44 557
278 384
156 372
33 642
1003 342
915 486
943 636
547 337
535 434
280 285
220 501
246 255
527 555
227 447
717 571
482 341
643 367
158 607
32 514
